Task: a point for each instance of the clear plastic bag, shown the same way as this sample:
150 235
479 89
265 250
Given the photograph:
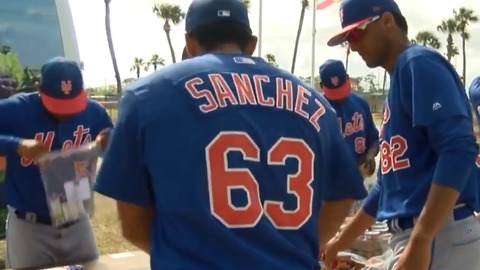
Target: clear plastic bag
68 178
378 262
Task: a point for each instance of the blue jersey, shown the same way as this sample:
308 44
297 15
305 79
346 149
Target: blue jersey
24 117
356 123
426 131
236 157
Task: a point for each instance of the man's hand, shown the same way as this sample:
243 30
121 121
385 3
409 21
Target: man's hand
416 256
103 137
367 167
32 149
329 252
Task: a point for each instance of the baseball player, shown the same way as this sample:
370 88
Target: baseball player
354 116
223 161
58 117
427 188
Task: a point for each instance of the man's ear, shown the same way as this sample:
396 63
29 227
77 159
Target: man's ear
252 45
190 46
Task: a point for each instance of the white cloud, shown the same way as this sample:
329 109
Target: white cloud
138 33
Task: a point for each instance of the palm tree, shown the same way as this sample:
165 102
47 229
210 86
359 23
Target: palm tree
463 17
305 6
246 3
138 65
156 61
347 56
170 14
427 38
449 27
384 84
370 79
271 59
110 47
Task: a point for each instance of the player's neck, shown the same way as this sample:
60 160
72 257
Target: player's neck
226 48
389 65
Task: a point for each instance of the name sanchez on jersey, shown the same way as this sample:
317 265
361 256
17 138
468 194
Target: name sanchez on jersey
248 90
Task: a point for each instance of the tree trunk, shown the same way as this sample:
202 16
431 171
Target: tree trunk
138 72
297 39
167 32
154 67
111 49
384 82
464 51
347 58
449 47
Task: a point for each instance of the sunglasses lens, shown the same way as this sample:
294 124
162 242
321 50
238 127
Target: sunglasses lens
354 35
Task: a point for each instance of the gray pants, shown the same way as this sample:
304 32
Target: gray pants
456 247
31 245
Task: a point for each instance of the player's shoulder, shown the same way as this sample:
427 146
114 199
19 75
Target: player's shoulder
359 99
421 56
95 106
27 100
164 79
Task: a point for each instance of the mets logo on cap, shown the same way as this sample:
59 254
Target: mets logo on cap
334 80
66 87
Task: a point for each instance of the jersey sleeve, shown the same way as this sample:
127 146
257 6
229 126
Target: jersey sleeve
430 91
454 142
122 175
346 181
8 140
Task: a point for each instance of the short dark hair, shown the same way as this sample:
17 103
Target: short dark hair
212 35
401 22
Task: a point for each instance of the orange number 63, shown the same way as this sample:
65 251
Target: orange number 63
222 180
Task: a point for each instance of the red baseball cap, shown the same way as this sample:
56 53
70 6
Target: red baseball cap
335 82
61 88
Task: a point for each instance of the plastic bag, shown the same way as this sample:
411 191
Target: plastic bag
68 178
378 262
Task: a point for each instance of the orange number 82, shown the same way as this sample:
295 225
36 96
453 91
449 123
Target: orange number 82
222 180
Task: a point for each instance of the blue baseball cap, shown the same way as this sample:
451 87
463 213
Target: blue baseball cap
202 12
335 82
61 87
354 13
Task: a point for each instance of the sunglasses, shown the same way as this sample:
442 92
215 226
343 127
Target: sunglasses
356 34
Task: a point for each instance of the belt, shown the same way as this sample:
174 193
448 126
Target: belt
34 218
398 225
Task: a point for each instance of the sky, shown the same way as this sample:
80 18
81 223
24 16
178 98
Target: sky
137 32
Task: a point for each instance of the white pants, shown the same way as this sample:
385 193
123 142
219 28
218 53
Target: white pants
456 247
33 245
